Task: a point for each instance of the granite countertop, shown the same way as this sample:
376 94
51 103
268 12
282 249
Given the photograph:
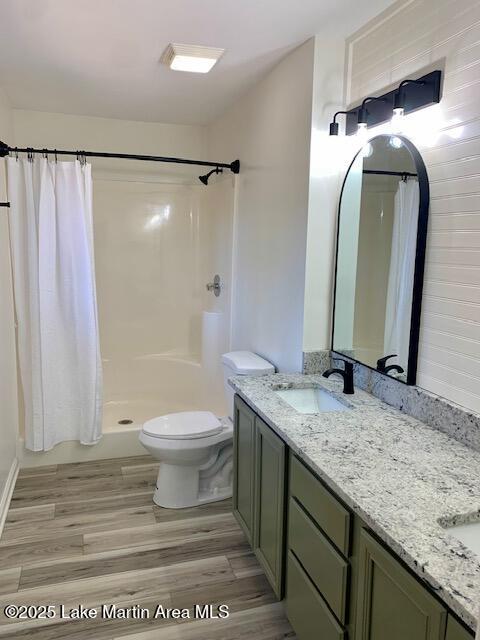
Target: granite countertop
400 476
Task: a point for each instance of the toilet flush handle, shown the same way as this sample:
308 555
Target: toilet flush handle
215 286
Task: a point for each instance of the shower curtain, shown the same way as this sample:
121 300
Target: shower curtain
402 268
55 299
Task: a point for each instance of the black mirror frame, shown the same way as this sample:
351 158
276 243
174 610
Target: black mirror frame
418 278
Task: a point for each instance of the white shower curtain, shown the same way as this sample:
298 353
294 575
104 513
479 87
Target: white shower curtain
402 268
54 281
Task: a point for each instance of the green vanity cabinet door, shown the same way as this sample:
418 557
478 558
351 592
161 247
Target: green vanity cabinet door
455 631
268 541
391 603
244 467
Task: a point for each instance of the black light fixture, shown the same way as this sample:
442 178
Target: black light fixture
399 97
334 123
410 95
362 114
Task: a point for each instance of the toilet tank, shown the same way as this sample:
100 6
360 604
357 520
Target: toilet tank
242 363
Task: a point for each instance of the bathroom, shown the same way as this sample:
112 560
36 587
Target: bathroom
191 236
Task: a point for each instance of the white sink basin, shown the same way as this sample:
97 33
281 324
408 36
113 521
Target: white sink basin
311 400
468 534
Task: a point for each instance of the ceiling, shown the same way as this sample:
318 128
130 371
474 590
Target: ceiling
101 57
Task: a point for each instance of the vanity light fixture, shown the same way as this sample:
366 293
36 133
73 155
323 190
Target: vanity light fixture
191 57
399 104
410 95
362 114
334 123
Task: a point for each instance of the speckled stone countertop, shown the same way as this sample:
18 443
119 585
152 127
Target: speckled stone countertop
400 476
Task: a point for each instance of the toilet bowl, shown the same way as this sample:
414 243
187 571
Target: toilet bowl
195 448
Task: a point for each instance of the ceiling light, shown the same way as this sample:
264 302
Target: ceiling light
190 57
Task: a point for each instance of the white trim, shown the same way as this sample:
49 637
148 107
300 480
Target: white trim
360 34
233 258
7 492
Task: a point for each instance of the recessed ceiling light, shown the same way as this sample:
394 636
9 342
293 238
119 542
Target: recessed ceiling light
191 57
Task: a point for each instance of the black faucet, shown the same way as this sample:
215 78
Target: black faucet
347 375
382 365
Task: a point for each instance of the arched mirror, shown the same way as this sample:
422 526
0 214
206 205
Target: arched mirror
381 240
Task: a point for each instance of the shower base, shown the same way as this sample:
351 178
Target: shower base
141 409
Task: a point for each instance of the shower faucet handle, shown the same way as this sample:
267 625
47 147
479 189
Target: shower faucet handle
215 286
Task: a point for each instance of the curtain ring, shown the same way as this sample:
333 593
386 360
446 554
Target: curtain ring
55 155
45 154
16 154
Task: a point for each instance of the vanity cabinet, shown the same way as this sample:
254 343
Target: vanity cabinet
391 603
340 581
259 490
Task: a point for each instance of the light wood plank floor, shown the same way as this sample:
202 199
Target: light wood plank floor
89 534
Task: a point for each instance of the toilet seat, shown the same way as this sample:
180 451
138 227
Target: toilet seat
186 425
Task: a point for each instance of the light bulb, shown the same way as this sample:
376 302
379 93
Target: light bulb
395 142
367 150
362 132
398 120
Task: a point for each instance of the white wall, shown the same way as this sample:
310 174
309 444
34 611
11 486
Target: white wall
8 367
41 129
269 130
399 44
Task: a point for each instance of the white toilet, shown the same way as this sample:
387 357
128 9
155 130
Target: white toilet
195 448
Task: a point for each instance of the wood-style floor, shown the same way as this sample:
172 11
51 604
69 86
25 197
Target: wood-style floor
89 534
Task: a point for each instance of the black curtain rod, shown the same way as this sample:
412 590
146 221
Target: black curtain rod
391 173
5 150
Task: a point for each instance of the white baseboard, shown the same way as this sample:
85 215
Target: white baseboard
7 492
117 444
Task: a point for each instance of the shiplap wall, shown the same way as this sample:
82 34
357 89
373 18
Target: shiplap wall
404 40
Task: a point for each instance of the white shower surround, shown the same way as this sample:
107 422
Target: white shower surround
161 332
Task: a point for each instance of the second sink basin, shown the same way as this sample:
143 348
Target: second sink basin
312 400
468 534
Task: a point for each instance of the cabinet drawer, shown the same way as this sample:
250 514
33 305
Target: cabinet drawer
328 513
308 614
324 565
